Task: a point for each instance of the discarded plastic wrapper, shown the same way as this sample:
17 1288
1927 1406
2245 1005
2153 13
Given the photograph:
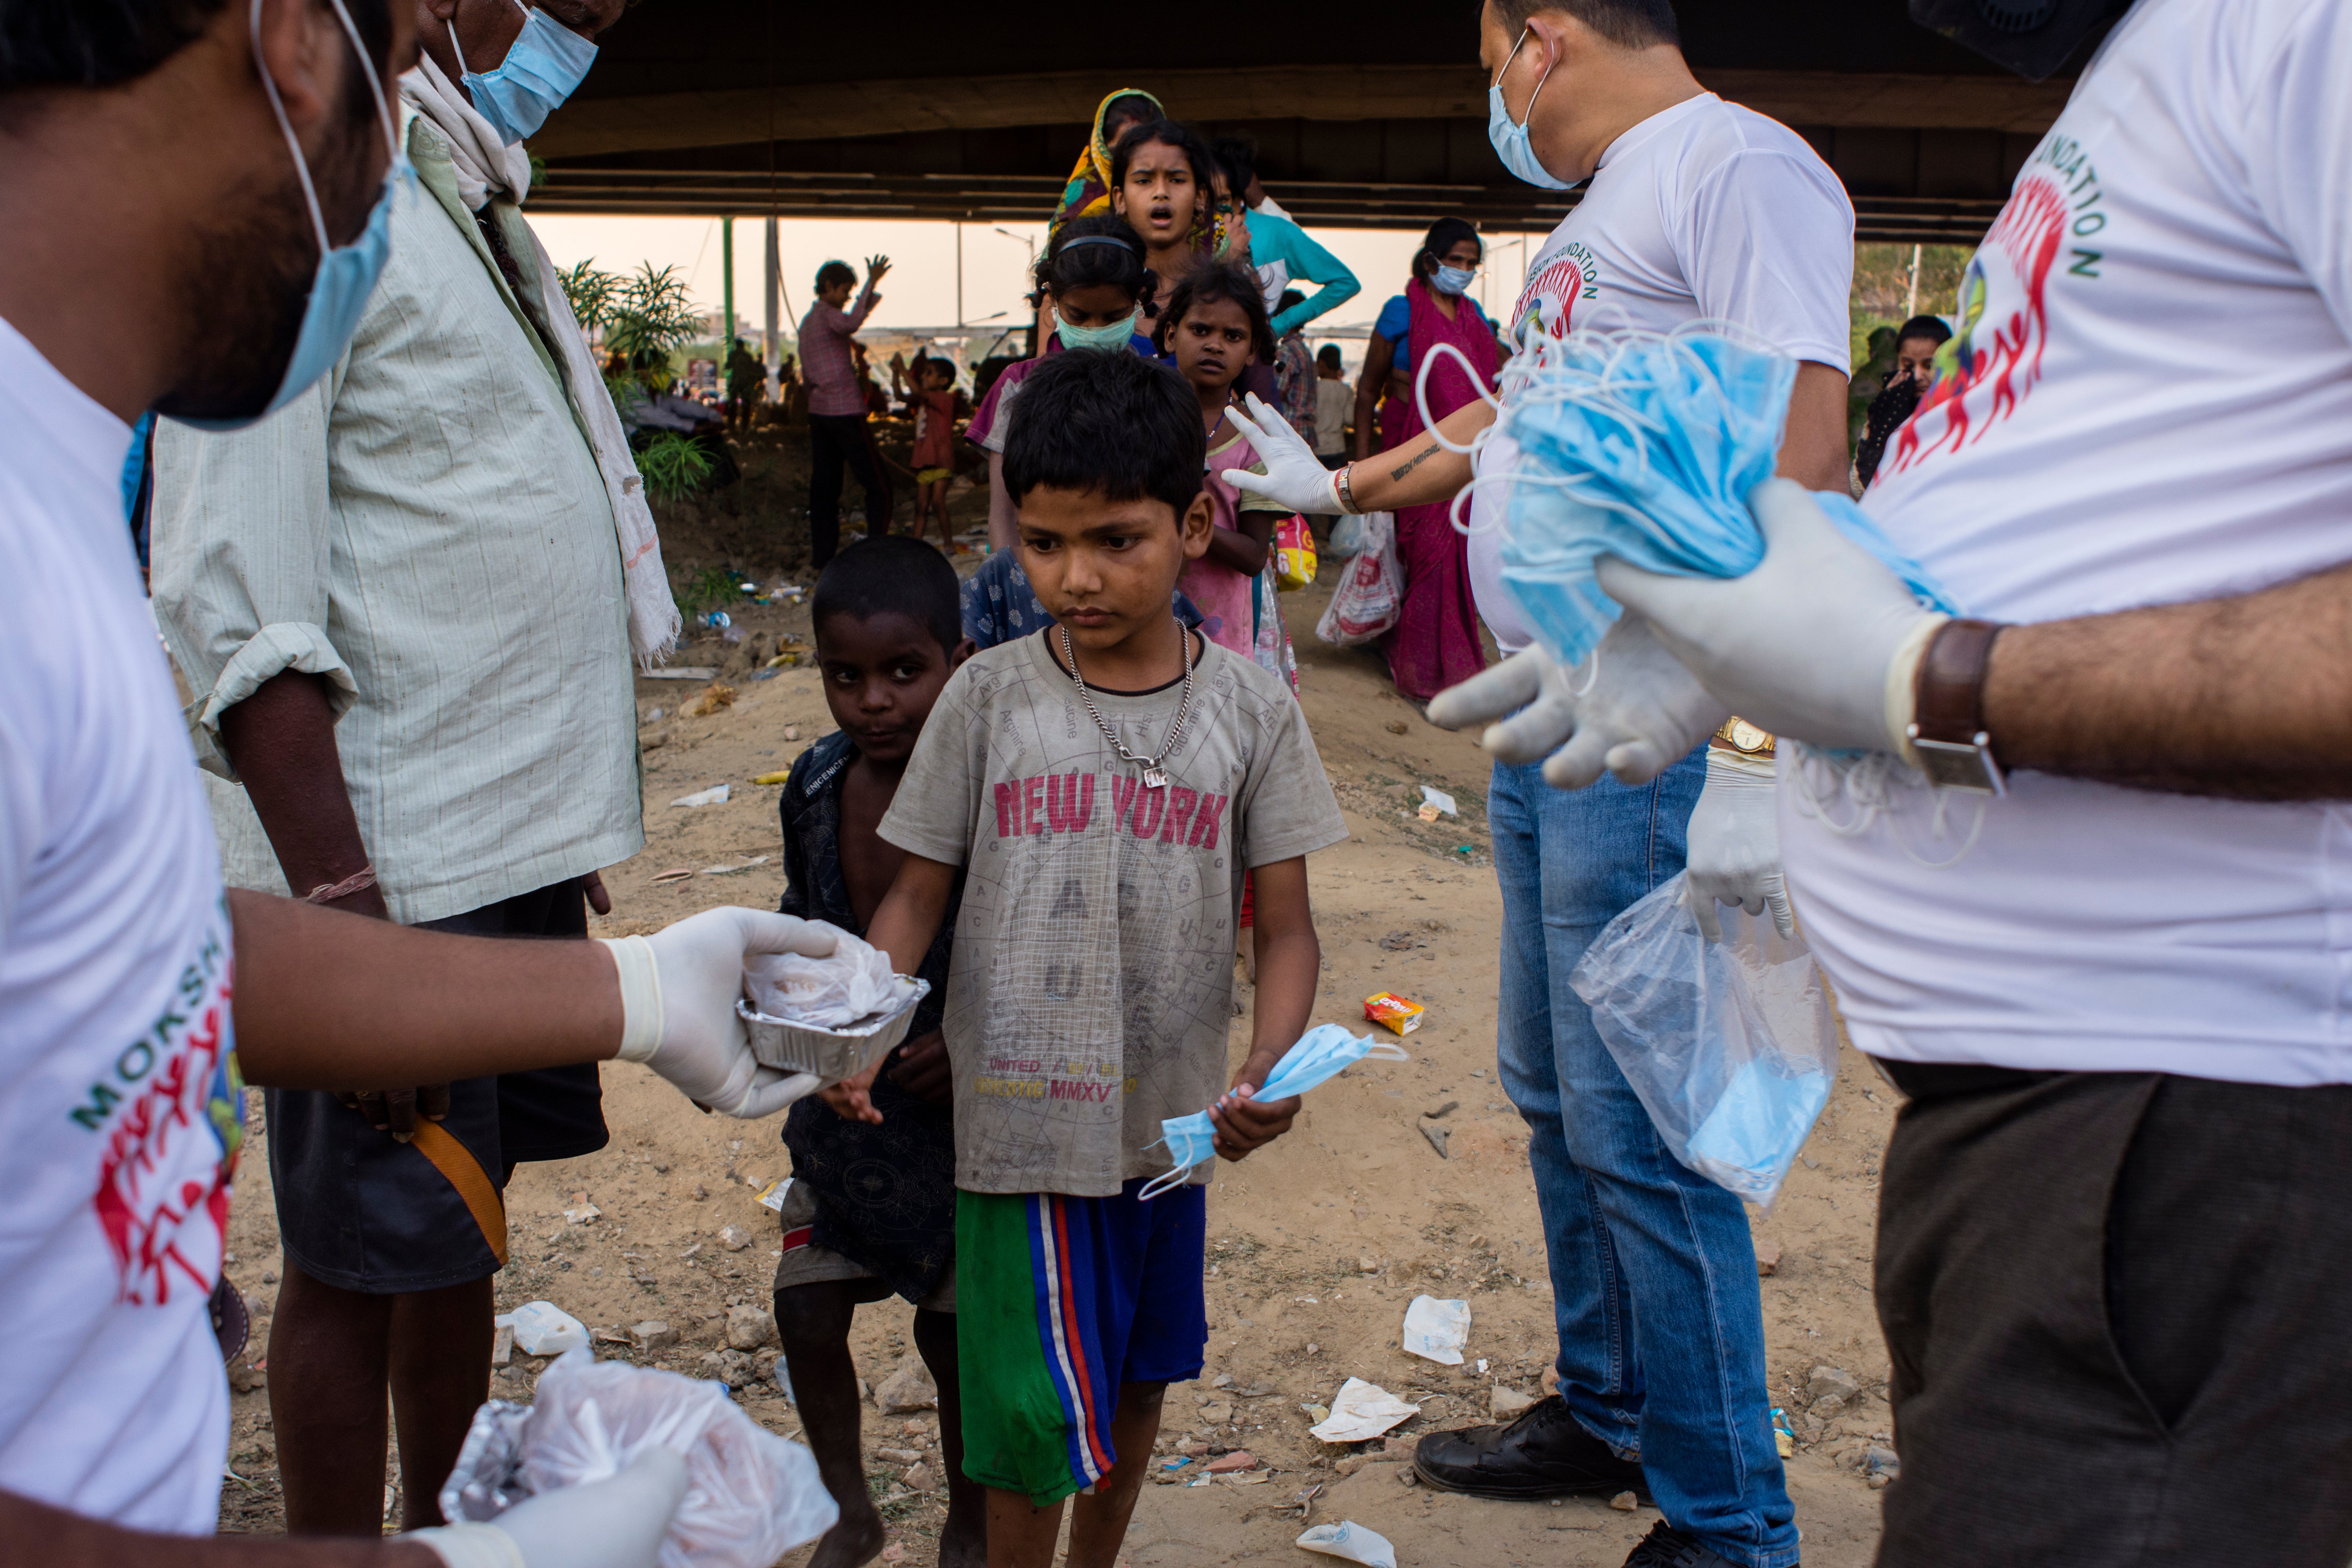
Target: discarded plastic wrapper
1351 1540
542 1328
1431 795
1730 1045
1361 1410
1393 1011
1321 1054
772 778
773 1195
715 795
851 983
751 1495
1436 1330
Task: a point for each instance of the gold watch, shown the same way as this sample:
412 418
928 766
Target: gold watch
1739 735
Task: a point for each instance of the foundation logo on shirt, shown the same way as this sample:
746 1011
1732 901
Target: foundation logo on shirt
171 1108
1994 361
1549 301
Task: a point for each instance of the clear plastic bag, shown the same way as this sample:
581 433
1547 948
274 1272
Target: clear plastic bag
1372 594
751 1495
1731 1046
1347 540
853 981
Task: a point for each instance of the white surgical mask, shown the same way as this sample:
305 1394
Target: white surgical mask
1509 137
1110 335
544 66
1453 279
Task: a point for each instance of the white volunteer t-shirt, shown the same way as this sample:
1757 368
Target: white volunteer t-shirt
120 1119
1705 210
2150 401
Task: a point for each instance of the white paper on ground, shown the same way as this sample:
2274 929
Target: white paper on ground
1439 798
1436 1330
1351 1540
542 1328
1361 1410
715 795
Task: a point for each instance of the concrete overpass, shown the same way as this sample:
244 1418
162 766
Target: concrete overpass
1367 115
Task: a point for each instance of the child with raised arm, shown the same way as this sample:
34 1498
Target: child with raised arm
871 1205
1101 788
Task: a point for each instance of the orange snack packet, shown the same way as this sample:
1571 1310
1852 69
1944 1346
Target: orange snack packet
1393 1012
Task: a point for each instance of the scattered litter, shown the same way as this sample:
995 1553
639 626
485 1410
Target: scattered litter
502 1341
542 1328
751 1496
1361 1410
1784 1436
1257 1479
715 795
1351 1540
771 1197
1178 1463
1431 795
685 672
1436 1330
1427 812
712 698
1466 849
719 620
674 874
1393 1012
739 865
774 778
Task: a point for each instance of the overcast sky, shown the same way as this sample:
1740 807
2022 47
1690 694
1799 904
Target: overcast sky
921 287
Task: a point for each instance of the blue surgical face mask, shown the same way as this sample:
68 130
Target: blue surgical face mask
347 275
1321 1053
1510 139
544 66
1110 335
1453 279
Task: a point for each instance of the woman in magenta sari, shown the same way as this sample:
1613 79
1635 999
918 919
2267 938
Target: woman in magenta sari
1436 643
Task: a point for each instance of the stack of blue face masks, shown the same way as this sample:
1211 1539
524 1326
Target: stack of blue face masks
1644 447
1321 1053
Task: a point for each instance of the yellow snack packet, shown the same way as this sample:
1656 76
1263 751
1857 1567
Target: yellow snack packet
1393 1012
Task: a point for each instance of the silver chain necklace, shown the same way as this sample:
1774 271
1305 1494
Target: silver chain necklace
1154 776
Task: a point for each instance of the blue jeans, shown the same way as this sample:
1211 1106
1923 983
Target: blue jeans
1652 1273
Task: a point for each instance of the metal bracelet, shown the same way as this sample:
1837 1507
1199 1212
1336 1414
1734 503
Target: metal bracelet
1347 490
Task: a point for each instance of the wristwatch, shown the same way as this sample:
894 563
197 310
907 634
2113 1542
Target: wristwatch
1739 735
1947 727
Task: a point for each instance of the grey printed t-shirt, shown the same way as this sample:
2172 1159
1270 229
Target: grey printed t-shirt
1092 984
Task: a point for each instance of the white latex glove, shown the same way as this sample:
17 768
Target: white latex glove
1735 844
1642 713
1819 643
618 1522
679 988
1295 477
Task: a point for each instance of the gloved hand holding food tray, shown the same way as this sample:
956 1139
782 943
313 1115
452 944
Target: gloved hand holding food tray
832 1017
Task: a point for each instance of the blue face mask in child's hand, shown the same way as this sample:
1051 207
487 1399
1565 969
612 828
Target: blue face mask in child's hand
1320 1055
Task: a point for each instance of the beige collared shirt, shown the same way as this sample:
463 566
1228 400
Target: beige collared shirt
426 528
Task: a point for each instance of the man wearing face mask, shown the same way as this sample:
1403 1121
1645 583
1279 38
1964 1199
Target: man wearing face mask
1695 209
407 603
194 211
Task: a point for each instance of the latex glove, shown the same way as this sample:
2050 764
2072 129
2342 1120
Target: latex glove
1819 643
1295 477
679 988
617 1522
1630 709
1735 842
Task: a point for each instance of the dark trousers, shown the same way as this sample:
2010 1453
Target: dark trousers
835 439
2119 1311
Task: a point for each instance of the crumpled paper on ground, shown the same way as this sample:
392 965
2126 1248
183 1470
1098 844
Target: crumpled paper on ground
1436 1330
1351 1540
853 981
751 1495
1361 1410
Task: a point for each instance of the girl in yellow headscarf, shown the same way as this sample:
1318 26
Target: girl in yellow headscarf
1088 195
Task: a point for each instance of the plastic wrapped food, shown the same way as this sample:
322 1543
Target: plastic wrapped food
751 1495
851 983
1731 1046
1394 1012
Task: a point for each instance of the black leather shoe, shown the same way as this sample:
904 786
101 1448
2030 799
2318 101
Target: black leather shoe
1666 1547
1543 1454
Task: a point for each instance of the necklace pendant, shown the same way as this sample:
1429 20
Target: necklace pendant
1154 778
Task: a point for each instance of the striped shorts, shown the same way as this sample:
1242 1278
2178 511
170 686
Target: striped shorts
1059 1301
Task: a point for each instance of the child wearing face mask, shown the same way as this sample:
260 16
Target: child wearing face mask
1096 285
1215 327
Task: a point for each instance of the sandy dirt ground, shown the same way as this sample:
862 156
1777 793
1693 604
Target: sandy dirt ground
1317 1243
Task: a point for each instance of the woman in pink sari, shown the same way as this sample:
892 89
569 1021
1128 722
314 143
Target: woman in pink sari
1436 643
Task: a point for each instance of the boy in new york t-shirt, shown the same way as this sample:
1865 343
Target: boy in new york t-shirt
1102 787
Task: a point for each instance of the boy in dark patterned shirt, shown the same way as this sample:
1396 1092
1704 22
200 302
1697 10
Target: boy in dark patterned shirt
870 1209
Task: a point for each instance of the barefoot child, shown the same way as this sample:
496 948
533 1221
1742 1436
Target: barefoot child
1103 784
1215 326
888 638
934 400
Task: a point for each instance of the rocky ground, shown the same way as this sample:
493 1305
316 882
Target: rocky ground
1317 1243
